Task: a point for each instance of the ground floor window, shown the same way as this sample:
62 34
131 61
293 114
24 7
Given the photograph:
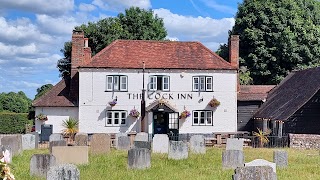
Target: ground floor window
202 118
116 118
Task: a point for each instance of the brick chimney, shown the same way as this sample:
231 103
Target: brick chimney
234 55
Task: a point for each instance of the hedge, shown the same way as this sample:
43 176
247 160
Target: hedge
13 123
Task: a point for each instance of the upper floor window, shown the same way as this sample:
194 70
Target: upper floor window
117 83
202 118
159 83
202 83
116 118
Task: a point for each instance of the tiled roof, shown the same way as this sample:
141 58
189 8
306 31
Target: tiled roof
254 92
58 96
130 54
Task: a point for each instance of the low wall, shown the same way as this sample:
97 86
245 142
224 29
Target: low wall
304 141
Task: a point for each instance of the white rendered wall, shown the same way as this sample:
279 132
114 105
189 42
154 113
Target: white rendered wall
93 100
55 116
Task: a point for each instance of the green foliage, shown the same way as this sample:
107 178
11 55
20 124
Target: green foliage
135 24
262 136
14 102
42 90
70 127
13 123
244 74
276 37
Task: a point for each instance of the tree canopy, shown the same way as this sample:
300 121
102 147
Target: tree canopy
134 24
276 37
42 90
14 102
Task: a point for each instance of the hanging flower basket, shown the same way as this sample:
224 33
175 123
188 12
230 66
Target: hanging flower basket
214 103
185 114
41 117
134 113
113 102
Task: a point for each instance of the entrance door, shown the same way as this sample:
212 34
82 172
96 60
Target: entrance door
160 123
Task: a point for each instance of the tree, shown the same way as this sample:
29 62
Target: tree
276 37
15 102
135 24
42 90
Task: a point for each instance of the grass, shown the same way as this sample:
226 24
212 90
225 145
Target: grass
303 164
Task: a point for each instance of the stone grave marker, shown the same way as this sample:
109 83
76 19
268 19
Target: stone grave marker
262 162
56 143
142 136
63 172
232 159
139 158
6 149
28 141
71 154
14 142
40 164
254 173
142 144
56 137
116 138
81 139
36 139
234 144
160 143
197 144
100 143
178 150
123 143
280 157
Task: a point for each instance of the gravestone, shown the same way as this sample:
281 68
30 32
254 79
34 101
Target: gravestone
71 154
100 143
123 143
40 164
139 158
197 144
63 172
262 162
160 143
232 159
117 137
36 139
56 137
178 150
81 139
142 136
14 142
28 141
280 158
56 143
142 144
3 149
254 173
234 144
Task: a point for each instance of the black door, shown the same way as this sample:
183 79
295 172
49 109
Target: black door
160 123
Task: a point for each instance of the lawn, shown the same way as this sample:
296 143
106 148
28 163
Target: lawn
303 164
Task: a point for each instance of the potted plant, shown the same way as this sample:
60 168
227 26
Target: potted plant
262 136
184 114
134 113
41 117
71 127
113 102
214 103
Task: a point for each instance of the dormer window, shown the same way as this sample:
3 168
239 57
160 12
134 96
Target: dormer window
117 83
161 83
202 83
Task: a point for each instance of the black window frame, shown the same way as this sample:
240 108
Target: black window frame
161 77
121 117
119 83
205 84
205 119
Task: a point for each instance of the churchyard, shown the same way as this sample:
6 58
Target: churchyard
182 161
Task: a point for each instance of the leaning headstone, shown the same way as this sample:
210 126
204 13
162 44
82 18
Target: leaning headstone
81 139
3 149
100 143
63 172
280 157
28 141
254 173
14 142
40 164
71 154
262 162
142 136
56 143
160 143
178 150
56 137
142 144
234 144
197 144
232 159
123 143
139 158
36 139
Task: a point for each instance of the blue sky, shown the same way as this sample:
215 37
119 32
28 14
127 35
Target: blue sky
32 32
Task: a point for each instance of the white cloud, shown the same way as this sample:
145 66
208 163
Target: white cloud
119 5
219 7
86 7
52 7
60 25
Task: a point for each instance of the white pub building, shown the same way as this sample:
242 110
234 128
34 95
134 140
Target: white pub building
179 79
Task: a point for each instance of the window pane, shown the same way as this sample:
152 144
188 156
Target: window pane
202 83
116 83
209 84
109 82
195 83
201 117
109 118
159 82
195 117
209 118
165 83
123 82
152 83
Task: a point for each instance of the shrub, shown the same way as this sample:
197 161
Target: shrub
13 123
